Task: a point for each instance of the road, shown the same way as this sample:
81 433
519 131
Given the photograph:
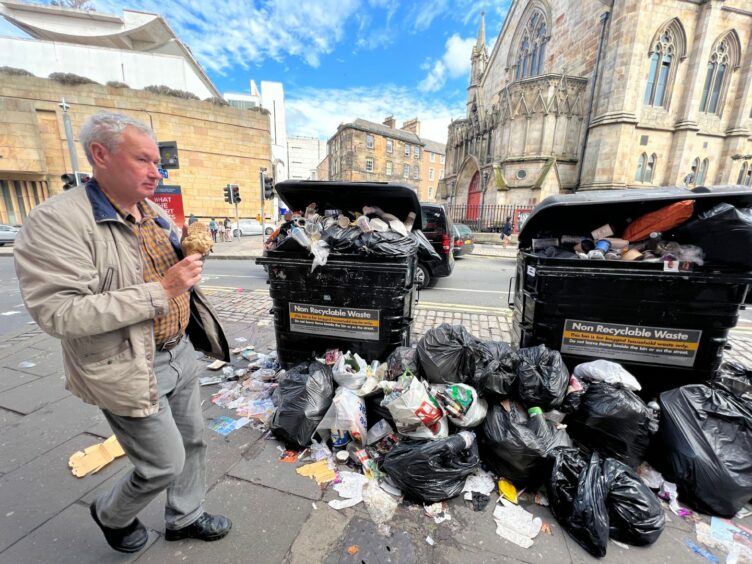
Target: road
477 284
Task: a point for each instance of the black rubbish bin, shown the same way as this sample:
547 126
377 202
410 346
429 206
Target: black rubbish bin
666 328
363 303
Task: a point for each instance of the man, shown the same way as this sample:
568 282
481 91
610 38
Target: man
506 232
100 267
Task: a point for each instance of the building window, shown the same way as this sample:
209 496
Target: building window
668 48
388 168
430 192
389 146
646 167
640 167
432 157
416 172
532 50
442 158
441 173
723 59
430 174
416 152
407 150
702 171
369 165
369 141
406 171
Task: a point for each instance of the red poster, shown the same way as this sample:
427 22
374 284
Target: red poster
170 199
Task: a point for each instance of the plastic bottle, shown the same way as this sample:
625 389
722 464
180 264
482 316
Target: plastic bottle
596 254
364 224
538 424
409 221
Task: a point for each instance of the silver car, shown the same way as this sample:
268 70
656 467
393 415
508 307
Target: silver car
7 234
249 227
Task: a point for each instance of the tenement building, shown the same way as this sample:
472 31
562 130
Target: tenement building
368 151
605 94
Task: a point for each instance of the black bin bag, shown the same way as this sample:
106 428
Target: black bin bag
705 439
431 471
341 240
401 359
495 368
600 498
304 396
542 378
515 447
614 421
447 354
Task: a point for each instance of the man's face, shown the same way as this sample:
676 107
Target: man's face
130 173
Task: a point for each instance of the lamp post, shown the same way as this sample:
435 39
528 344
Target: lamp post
63 105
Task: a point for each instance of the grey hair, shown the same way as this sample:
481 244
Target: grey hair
106 128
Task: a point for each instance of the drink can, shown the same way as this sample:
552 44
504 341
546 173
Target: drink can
340 438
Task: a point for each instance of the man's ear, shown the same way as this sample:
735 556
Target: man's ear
99 154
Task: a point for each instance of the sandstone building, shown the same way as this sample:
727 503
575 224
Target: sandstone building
368 151
217 145
601 94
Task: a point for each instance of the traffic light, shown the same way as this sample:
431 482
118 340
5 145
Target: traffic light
82 178
235 193
268 187
69 179
228 194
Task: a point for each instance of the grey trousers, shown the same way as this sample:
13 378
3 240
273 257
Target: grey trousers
167 449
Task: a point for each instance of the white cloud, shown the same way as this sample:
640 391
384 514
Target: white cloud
223 34
318 112
454 63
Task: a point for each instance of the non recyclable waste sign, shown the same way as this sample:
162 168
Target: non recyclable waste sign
335 321
657 345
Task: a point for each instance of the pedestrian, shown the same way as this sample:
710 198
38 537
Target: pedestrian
690 178
192 219
228 230
213 228
221 230
100 267
506 232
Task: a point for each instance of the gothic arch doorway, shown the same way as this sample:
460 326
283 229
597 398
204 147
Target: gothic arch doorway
474 197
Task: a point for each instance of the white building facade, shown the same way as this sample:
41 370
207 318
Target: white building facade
304 155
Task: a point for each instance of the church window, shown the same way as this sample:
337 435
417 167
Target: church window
532 50
667 49
723 59
650 168
702 171
742 173
640 167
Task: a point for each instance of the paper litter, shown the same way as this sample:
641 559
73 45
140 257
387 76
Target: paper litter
92 459
515 524
350 488
320 471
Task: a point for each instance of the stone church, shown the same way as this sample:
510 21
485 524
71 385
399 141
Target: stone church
605 94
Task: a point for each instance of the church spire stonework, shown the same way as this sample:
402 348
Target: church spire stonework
479 60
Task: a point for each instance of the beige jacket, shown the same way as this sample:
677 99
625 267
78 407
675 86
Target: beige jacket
81 276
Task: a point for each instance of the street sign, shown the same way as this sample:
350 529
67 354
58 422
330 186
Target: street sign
168 154
170 199
163 173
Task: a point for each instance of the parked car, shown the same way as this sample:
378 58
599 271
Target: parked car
8 234
437 228
464 241
249 227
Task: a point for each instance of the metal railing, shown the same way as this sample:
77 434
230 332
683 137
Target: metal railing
489 218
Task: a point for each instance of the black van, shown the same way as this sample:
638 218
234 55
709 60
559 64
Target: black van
437 228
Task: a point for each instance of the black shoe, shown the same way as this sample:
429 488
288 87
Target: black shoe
206 528
127 539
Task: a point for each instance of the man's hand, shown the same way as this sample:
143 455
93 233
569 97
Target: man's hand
183 275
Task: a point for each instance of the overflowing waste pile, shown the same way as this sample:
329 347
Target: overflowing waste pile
676 234
369 231
459 416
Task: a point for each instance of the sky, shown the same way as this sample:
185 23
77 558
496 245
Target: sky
338 59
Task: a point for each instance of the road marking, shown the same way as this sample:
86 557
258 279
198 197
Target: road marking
464 308
470 290
210 276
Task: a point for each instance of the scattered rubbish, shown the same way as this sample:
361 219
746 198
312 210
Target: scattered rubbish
320 471
668 492
608 372
216 365
431 471
347 414
241 350
289 456
350 488
92 459
26 364
430 541
210 380
353 549
478 488
743 513
705 440
620 544
225 425
415 411
652 478
508 491
438 511
6 313
263 323
541 499
380 505
241 340
706 554
515 524
350 371
462 404
726 536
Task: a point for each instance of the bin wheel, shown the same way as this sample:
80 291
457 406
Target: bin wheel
422 277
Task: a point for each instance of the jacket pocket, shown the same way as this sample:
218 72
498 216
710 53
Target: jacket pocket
108 355
107 280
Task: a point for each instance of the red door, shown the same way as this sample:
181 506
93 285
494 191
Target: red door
473 198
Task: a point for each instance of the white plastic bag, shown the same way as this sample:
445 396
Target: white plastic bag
347 413
347 376
416 412
462 404
320 252
608 372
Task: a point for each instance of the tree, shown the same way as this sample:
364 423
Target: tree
84 5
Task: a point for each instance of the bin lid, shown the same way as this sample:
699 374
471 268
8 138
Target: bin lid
396 199
583 212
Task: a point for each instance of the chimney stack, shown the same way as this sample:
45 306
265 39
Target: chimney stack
390 122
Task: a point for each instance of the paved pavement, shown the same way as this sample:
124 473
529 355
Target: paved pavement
278 515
